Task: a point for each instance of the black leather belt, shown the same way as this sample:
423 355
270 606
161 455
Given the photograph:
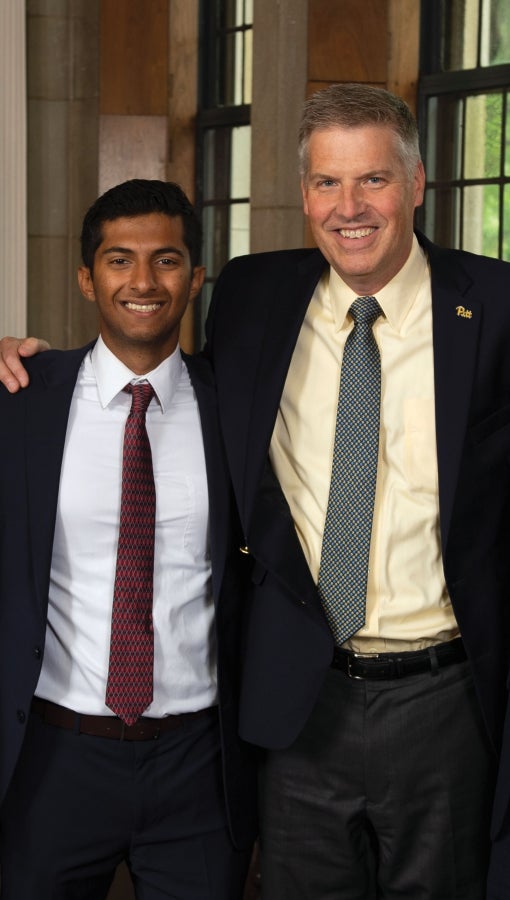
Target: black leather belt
397 665
145 729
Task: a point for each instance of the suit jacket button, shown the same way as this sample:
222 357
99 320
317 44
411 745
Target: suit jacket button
37 652
303 602
245 549
21 716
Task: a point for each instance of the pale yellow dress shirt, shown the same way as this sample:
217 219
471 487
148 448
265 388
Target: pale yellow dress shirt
408 607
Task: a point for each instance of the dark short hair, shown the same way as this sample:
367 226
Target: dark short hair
353 105
139 197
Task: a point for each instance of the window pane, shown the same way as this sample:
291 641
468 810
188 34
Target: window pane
460 34
216 164
506 223
234 12
482 155
506 139
248 65
241 157
228 82
444 138
442 216
495 33
208 169
215 222
481 219
239 68
239 229
235 50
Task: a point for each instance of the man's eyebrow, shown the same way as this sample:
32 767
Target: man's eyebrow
127 251
371 173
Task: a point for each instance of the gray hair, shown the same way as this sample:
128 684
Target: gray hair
356 105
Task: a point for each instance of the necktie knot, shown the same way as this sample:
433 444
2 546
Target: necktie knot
142 395
365 310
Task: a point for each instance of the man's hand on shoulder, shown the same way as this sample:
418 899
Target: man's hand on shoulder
12 372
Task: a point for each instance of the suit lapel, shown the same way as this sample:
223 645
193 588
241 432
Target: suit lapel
272 533
457 318
48 401
217 477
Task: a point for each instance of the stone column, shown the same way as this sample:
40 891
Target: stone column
13 225
280 35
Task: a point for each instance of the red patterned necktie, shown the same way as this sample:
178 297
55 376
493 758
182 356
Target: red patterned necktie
129 686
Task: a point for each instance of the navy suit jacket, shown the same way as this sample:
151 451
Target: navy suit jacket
34 423
255 317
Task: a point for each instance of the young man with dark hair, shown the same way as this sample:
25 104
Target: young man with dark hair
120 594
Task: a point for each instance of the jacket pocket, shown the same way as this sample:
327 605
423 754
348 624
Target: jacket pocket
494 424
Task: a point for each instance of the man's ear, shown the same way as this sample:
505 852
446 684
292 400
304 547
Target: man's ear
197 280
86 284
304 194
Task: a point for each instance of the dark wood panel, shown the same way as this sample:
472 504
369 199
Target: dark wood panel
348 41
133 51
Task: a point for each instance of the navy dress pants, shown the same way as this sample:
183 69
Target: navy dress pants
78 805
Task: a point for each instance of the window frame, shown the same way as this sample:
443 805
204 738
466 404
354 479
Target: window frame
212 115
459 85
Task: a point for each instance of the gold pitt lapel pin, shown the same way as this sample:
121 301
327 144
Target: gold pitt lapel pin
463 312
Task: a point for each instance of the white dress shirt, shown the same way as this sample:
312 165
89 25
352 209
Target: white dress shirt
75 665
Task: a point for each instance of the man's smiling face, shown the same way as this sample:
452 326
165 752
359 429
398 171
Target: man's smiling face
360 199
142 282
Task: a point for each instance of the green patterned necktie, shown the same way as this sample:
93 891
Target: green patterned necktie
343 569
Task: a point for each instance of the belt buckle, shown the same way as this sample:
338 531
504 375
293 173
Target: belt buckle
352 656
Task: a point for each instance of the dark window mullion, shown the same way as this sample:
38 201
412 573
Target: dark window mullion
462 170
504 120
479 37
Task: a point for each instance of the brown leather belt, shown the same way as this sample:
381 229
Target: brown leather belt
380 666
145 729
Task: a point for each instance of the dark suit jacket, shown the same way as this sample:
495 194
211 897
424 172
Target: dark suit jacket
34 425
254 321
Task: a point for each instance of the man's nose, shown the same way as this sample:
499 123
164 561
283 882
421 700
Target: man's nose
142 277
350 201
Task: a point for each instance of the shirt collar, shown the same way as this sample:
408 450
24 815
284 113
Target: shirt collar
112 375
395 299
